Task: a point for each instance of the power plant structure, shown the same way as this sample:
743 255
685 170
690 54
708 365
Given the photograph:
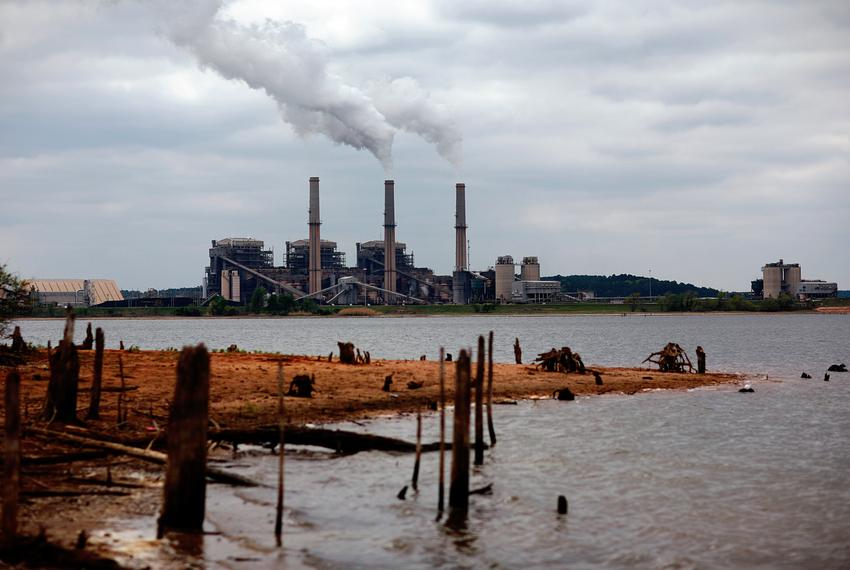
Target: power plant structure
781 277
384 273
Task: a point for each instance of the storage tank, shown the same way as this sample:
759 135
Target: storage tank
772 276
792 279
504 278
530 270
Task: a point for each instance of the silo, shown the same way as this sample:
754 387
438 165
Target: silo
772 275
530 270
504 278
792 279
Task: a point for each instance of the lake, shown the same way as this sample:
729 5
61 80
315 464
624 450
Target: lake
709 478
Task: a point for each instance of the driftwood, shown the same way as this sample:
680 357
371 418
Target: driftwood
671 358
144 454
560 360
338 440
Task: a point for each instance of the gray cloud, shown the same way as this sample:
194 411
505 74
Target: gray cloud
700 140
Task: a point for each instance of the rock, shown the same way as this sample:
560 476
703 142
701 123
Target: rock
826 377
838 368
747 389
804 375
414 385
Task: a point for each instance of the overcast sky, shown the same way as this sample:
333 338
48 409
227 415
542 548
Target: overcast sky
696 139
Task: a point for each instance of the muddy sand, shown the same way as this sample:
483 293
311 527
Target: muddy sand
66 497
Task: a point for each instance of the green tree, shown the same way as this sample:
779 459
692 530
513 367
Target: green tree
258 300
218 306
14 298
633 300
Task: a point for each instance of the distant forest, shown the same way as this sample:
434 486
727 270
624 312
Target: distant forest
194 292
625 284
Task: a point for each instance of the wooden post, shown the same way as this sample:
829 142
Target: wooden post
185 474
459 485
490 427
700 360
120 418
281 426
415 481
442 489
479 405
97 379
11 456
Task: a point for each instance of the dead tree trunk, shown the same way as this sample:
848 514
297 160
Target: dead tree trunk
89 340
18 344
414 483
185 480
97 378
11 457
442 477
490 427
281 424
459 486
64 377
479 405
346 353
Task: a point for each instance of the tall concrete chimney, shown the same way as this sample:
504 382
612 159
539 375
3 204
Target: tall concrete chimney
460 228
389 238
314 262
460 277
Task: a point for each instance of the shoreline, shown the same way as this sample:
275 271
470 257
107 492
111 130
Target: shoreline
243 396
624 314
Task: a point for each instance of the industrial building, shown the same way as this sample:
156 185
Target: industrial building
385 271
74 292
787 278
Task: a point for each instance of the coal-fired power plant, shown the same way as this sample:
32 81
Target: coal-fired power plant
389 239
384 273
315 242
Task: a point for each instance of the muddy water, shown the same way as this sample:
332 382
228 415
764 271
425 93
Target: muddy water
704 479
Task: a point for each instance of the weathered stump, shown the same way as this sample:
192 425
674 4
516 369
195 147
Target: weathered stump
459 485
97 378
185 475
479 405
18 344
346 353
490 427
89 340
11 456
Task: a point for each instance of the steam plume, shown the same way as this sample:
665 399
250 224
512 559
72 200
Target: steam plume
281 60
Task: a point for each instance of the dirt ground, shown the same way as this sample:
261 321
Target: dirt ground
65 497
243 387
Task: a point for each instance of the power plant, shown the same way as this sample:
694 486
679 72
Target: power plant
385 273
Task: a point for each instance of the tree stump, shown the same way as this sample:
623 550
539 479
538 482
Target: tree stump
185 487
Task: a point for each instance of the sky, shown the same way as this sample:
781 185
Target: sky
696 140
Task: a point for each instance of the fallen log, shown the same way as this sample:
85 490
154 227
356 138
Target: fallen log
143 454
338 440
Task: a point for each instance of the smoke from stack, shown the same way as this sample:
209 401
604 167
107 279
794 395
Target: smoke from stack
390 275
292 68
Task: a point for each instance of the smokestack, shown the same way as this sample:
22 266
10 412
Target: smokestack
315 248
389 238
460 228
460 277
